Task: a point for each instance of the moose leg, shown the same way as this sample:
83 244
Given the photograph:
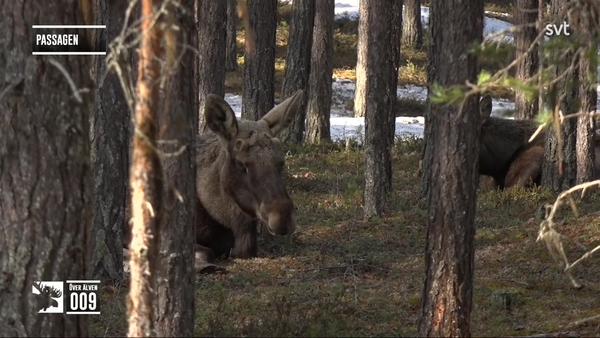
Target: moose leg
526 168
246 245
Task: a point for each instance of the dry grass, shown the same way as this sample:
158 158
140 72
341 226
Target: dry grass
341 275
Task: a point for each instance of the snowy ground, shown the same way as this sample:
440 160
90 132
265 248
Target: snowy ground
344 125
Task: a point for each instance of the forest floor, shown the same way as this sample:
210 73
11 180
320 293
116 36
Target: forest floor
341 275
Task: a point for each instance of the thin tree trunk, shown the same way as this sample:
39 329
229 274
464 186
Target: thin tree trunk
231 43
560 174
211 21
586 128
321 71
110 130
297 64
376 86
453 177
259 59
525 14
175 308
412 29
45 174
146 181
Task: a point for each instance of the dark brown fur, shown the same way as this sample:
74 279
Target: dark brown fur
505 153
239 165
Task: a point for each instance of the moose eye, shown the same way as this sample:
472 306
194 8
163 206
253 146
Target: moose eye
241 166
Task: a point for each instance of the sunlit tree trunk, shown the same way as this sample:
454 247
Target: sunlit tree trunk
146 180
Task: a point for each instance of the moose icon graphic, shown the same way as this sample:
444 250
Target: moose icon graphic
48 296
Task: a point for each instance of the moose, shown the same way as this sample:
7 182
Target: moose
505 152
239 179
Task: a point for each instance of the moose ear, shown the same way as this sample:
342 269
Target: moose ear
485 107
220 118
282 115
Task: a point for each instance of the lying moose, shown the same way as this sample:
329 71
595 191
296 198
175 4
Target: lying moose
239 183
505 153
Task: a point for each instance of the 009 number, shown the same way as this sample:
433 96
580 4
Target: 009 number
83 301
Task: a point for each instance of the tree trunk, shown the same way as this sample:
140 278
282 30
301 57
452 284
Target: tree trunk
146 180
231 37
259 59
412 29
562 174
45 174
211 21
525 13
110 135
297 64
318 105
447 296
585 125
376 86
176 281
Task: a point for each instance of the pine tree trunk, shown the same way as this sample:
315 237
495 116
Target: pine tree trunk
259 59
525 14
231 37
212 18
376 86
110 135
412 28
560 174
175 308
297 64
586 127
318 105
146 180
45 173
453 176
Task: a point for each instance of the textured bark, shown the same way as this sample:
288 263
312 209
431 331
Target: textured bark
176 281
297 64
562 174
525 13
110 135
412 29
259 59
585 126
446 301
45 174
146 181
231 35
376 86
211 21
318 107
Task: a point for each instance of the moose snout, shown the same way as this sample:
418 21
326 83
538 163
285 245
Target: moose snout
279 217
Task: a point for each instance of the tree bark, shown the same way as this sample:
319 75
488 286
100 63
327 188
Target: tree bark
412 29
376 86
525 14
146 180
586 127
175 308
211 21
318 105
448 287
297 64
45 174
231 37
259 59
110 135
560 174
